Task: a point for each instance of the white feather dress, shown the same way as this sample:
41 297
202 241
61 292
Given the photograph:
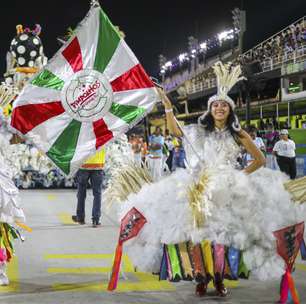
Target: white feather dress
241 210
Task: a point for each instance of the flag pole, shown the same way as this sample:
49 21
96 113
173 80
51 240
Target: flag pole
158 85
188 140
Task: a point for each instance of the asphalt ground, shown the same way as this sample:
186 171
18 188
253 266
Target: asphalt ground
63 262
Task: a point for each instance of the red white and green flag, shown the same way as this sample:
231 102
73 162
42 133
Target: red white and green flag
91 91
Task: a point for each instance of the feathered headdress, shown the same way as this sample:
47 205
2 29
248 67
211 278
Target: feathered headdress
227 77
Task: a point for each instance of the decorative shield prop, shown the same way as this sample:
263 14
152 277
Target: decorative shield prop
130 226
288 241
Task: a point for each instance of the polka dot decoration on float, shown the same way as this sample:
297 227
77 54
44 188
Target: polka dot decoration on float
26 47
23 37
35 41
21 49
33 53
21 61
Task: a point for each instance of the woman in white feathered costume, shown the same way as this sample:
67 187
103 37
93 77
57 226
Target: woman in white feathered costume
236 208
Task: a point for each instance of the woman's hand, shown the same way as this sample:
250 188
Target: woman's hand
15 139
165 100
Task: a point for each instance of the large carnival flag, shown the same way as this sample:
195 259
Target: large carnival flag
92 90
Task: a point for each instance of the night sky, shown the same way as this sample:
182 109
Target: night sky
151 27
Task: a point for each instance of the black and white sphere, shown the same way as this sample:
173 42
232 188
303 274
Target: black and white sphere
26 48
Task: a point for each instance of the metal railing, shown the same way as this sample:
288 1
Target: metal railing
269 64
276 62
301 21
171 83
199 86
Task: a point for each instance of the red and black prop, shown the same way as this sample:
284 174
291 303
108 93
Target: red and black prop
130 226
288 241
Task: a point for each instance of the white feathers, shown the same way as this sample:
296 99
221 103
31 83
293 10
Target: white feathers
244 213
227 77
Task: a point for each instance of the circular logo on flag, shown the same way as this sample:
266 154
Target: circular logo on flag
87 95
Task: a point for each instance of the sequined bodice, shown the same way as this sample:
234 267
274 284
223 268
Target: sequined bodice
220 148
217 148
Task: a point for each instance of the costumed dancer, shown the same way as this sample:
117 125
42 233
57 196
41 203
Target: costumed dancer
10 211
227 213
25 58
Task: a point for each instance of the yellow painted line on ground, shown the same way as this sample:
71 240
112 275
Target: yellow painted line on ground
122 287
51 197
65 218
13 275
301 267
147 282
78 256
147 285
127 265
147 277
227 283
80 270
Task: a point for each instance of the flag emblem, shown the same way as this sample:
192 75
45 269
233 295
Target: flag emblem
87 96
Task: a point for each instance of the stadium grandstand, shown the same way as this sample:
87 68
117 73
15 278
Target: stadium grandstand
275 69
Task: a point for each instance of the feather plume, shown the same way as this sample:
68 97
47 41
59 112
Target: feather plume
227 76
297 188
126 180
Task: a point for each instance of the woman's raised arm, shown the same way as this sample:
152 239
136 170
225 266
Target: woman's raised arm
171 121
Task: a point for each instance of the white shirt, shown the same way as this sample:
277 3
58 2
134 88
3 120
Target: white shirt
285 148
259 144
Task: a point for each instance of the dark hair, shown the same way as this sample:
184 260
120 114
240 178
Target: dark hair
209 124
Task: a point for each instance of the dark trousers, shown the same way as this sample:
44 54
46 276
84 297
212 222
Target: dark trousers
287 165
169 160
96 177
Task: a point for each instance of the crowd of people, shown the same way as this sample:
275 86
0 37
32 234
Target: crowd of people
279 45
162 153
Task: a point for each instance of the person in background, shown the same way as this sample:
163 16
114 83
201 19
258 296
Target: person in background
179 154
156 142
284 150
271 137
258 143
275 123
91 170
262 124
136 148
144 149
170 147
